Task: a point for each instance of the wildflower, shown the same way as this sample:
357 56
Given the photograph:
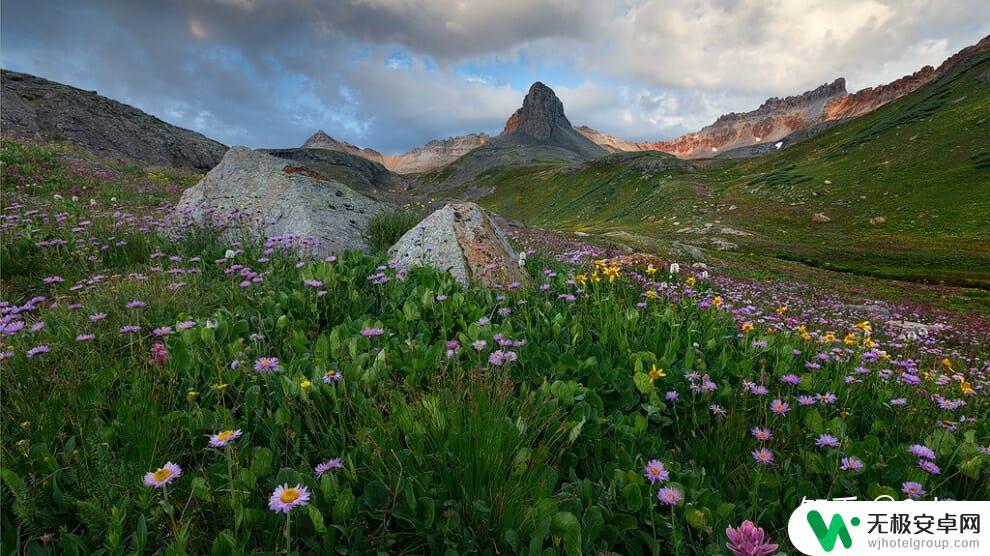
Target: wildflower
655 471
285 498
327 466
38 350
85 337
898 401
479 344
159 354
929 466
656 372
671 396
266 364
650 270
804 400
851 464
496 358
163 475
791 379
748 540
162 332
717 410
921 451
305 384
95 317
717 301
222 438
313 283
129 329
186 325
674 268
746 326
826 440
372 332
827 398
136 304
54 280
779 407
763 455
913 489
761 434
691 281
669 496
332 376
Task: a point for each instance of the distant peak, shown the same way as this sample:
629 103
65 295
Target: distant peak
541 112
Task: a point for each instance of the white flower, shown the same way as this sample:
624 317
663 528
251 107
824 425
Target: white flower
229 254
92 202
703 275
675 268
522 258
57 196
75 198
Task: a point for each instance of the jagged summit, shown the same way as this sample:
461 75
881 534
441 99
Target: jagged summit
541 122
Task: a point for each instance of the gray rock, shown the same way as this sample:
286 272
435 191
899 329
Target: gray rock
687 250
37 108
262 196
869 310
462 239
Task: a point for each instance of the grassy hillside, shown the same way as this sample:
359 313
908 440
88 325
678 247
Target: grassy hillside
922 163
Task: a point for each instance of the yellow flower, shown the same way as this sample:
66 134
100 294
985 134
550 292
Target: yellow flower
869 342
849 340
581 279
947 362
829 338
656 372
652 294
190 395
717 301
650 270
747 326
782 309
600 263
691 280
771 330
612 272
220 386
966 388
805 336
595 277
305 384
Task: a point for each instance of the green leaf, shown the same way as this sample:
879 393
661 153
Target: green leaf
345 504
317 518
568 528
643 383
813 422
376 495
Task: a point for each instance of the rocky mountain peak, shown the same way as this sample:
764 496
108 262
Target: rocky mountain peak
541 111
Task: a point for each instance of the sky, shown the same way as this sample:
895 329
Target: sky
393 74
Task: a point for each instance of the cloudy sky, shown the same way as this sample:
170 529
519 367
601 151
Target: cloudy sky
392 74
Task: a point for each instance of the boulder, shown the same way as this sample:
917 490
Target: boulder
877 220
462 239
262 196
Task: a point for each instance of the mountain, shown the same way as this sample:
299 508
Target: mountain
433 154
357 172
40 109
541 122
904 187
777 118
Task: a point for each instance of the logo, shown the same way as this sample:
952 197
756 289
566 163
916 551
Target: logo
836 530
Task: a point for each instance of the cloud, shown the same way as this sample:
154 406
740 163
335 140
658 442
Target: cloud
393 74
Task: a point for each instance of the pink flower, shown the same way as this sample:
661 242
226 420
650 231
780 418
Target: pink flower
163 475
748 540
159 354
285 498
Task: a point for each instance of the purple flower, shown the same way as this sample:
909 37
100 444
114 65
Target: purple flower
761 434
162 332
851 464
496 358
329 465
159 354
54 280
826 440
371 332
929 466
763 455
748 540
453 346
136 304
655 471
669 496
332 376
285 498
921 451
186 324
97 317
313 283
806 400
85 337
129 329
479 345
779 407
163 475
913 489
671 396
38 350
790 379
266 364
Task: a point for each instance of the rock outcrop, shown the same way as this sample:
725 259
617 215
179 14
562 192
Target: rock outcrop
252 193
40 109
464 240
541 122
430 156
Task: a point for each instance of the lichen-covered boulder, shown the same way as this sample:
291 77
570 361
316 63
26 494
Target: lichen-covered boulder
258 195
462 239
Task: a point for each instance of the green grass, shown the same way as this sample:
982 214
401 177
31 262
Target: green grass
444 449
920 162
387 227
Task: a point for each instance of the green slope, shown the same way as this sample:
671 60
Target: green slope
922 163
